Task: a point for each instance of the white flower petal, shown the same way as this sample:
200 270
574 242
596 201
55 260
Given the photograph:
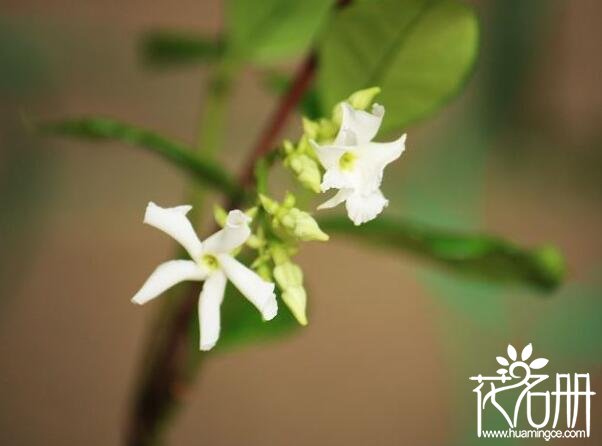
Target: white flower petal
328 155
337 179
337 199
362 208
379 154
210 302
235 232
346 137
167 275
362 124
173 221
259 292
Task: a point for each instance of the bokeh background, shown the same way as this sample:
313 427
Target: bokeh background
391 341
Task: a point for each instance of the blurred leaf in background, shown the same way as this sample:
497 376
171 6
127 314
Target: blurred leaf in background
167 48
24 166
265 31
481 257
420 52
446 187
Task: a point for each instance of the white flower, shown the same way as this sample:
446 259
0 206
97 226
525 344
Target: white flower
354 164
211 263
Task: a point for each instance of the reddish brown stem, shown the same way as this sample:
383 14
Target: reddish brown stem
268 138
168 378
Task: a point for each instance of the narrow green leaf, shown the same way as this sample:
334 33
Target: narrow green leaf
418 51
481 256
165 48
104 129
269 30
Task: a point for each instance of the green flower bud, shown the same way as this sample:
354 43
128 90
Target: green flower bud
289 278
288 275
296 300
362 99
288 147
264 272
270 206
306 170
251 212
310 128
301 225
220 215
322 130
328 130
289 200
255 241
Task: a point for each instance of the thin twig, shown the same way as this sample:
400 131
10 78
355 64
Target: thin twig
288 102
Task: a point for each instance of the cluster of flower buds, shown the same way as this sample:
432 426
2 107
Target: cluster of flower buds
333 153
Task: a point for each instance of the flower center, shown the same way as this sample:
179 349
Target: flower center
347 161
210 261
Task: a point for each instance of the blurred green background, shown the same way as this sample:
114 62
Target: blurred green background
391 341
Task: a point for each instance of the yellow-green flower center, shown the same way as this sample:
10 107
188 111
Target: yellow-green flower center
347 161
210 261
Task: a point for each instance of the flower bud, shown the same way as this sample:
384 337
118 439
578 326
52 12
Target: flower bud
289 278
220 215
301 225
362 99
270 206
306 170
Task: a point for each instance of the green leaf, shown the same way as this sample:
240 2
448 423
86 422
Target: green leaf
242 323
419 52
481 256
269 30
104 129
164 48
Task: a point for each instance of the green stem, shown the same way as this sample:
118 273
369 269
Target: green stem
212 117
212 123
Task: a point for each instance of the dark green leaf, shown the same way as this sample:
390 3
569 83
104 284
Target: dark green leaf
164 48
103 129
478 255
418 51
242 323
269 30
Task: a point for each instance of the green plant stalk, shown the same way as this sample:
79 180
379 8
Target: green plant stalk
212 121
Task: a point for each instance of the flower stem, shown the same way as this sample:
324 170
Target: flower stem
288 102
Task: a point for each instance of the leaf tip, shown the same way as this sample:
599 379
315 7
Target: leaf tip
551 266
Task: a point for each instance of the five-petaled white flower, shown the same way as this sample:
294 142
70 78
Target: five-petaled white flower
354 164
211 263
